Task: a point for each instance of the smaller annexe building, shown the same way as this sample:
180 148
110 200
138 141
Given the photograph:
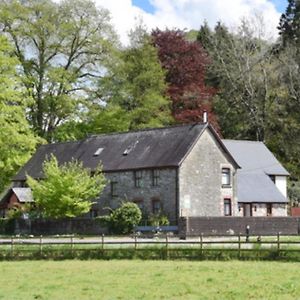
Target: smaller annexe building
14 198
261 180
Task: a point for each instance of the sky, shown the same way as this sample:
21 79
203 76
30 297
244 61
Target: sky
190 14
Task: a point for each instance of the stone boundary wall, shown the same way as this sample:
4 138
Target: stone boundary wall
54 227
195 226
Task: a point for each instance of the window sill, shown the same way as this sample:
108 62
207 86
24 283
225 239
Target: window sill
226 186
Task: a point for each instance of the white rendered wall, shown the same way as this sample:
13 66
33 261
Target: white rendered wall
280 182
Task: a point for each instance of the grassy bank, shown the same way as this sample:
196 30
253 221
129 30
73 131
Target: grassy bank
149 280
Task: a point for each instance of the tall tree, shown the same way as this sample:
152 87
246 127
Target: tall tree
135 86
289 25
62 48
17 142
185 63
243 72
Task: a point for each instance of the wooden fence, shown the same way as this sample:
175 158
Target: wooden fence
239 244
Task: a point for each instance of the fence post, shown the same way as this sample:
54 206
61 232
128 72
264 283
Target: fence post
247 233
167 248
12 246
41 245
72 244
239 245
278 242
201 244
102 242
135 241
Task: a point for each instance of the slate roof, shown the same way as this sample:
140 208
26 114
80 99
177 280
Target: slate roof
255 156
151 148
257 163
23 194
257 188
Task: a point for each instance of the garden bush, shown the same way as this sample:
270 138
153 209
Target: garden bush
123 219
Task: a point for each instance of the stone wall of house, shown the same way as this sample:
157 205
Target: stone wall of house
200 180
125 190
260 210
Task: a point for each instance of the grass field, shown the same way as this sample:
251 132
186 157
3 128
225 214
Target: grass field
123 279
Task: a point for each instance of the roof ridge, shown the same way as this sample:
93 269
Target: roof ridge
59 143
120 132
143 130
244 141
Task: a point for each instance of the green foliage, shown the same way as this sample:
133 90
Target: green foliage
15 213
66 190
70 42
258 88
98 120
17 142
136 86
158 220
289 23
123 219
294 192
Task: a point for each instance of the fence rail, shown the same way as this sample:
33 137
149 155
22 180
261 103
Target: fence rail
235 240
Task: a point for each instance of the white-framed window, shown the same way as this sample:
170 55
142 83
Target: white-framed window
227 207
226 177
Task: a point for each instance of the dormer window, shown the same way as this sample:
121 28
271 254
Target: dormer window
226 177
272 177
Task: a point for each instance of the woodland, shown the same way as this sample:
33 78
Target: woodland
65 75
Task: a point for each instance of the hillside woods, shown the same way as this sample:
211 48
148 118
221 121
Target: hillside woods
65 75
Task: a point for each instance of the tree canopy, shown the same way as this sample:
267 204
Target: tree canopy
67 190
137 84
185 63
62 48
17 141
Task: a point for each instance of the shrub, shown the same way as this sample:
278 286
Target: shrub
158 220
123 219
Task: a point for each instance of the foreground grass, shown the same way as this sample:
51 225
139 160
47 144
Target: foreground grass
123 279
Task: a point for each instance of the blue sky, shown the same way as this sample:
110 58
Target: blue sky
190 14
149 8
279 4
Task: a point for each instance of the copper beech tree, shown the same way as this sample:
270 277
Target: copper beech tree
185 63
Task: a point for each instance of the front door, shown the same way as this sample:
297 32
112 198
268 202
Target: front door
247 210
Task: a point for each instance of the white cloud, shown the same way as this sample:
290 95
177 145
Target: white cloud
189 14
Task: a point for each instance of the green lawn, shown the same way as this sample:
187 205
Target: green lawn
123 279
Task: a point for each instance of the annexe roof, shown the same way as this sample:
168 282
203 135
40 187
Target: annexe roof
151 148
257 188
257 163
255 156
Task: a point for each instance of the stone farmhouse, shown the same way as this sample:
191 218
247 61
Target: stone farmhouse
182 170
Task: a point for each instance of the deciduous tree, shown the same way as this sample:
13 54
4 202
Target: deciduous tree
67 190
137 84
185 63
62 48
17 141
